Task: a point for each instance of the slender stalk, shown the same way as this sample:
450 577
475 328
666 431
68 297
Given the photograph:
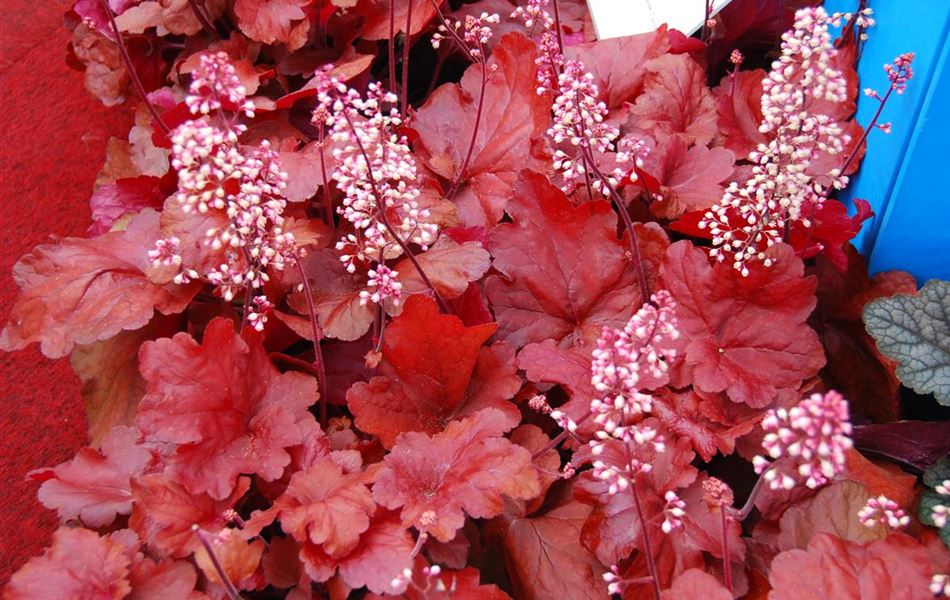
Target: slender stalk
124 53
248 290
867 131
726 563
327 200
225 580
557 439
392 44
557 28
627 223
293 361
203 19
741 514
478 120
317 352
648 549
406 43
706 3
385 220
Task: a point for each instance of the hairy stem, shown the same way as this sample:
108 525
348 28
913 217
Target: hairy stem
131 68
327 200
726 563
225 580
635 257
203 19
317 352
741 514
557 439
392 44
404 89
648 549
478 120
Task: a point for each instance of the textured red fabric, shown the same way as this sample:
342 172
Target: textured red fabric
52 143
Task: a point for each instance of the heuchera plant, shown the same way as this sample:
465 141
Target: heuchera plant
428 299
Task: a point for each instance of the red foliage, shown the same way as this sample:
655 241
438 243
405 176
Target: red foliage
495 420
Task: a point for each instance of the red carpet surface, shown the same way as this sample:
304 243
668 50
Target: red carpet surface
52 143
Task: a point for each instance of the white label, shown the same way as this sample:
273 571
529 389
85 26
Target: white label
617 18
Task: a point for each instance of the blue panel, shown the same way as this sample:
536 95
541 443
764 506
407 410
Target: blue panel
904 175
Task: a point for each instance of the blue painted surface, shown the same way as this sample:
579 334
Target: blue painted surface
906 175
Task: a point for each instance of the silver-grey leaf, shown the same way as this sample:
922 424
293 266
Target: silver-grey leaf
915 331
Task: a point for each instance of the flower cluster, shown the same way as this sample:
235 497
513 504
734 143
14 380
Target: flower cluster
673 512
246 184
624 362
882 510
472 35
807 442
752 217
899 72
863 20
940 585
377 174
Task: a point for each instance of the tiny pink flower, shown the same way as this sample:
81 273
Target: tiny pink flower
882 510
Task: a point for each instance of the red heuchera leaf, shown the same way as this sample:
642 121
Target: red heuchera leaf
113 200
833 510
434 370
238 558
510 134
223 408
383 553
466 469
456 585
619 64
163 513
271 21
895 567
111 383
696 584
745 336
376 25
739 101
918 444
80 291
335 296
167 578
830 231
855 366
79 564
543 558
675 99
450 267
327 507
562 268
682 413
690 179
94 485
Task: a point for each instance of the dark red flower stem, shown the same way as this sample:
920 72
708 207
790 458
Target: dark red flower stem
327 199
318 364
557 28
741 514
557 439
635 257
478 119
392 44
225 580
131 68
726 563
867 131
648 549
702 36
385 220
406 43
203 19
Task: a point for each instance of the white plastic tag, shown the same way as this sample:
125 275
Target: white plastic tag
617 18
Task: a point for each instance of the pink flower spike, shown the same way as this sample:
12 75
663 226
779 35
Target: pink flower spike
807 443
882 510
212 82
900 72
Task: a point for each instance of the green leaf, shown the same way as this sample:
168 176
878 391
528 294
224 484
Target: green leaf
915 331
